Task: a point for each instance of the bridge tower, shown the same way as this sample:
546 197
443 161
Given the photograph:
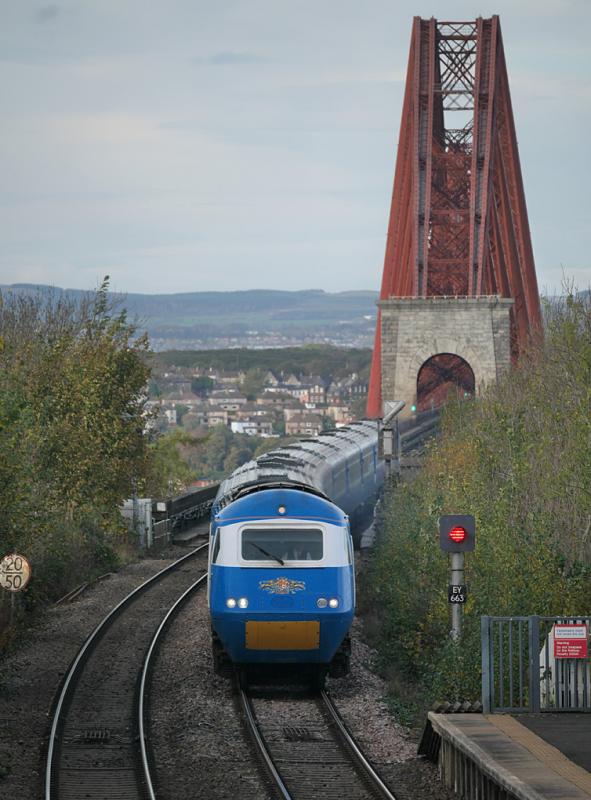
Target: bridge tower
459 295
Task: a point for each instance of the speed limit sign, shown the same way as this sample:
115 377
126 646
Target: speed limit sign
15 572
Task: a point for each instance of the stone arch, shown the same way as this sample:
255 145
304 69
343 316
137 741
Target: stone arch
439 345
442 375
413 330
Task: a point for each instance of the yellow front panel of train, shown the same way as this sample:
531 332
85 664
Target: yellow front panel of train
283 635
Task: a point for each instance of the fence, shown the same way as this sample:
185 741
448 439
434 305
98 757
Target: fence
154 521
526 668
137 512
161 533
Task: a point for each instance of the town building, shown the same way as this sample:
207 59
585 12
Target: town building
303 424
228 399
253 426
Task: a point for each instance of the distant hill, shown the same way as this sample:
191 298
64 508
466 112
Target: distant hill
256 318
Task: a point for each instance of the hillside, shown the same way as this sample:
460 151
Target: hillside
256 318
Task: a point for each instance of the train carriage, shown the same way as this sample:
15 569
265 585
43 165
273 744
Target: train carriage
282 584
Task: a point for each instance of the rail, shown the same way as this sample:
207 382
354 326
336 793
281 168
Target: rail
293 775
262 750
422 428
71 678
369 772
146 671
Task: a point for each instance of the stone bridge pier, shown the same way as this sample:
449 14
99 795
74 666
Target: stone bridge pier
416 331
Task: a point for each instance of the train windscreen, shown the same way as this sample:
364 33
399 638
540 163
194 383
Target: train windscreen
282 544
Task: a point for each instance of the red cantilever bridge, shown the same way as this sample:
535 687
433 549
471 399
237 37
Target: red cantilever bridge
459 295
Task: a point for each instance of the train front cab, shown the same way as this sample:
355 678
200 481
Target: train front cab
281 586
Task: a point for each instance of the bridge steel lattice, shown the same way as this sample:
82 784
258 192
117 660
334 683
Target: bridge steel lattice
458 224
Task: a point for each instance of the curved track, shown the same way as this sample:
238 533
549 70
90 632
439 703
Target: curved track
97 745
417 431
306 749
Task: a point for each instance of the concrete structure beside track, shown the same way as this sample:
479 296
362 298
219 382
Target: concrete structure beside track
533 757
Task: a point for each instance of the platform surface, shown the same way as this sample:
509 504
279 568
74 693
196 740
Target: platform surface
535 757
569 733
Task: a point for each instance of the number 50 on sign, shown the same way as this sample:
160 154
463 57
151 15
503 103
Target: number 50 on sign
15 572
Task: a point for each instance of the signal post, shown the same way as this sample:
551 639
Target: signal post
457 535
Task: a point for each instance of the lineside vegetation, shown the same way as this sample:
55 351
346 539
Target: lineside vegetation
72 394
519 459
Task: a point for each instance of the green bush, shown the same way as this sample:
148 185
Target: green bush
72 418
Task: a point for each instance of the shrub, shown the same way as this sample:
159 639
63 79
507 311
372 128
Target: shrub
519 459
72 396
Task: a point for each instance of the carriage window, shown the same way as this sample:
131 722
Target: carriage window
282 544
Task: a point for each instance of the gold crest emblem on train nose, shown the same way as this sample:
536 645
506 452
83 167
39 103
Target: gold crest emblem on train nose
282 586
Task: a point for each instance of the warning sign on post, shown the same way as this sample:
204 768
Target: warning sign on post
571 641
15 572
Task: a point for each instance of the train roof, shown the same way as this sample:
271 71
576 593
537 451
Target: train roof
297 505
290 466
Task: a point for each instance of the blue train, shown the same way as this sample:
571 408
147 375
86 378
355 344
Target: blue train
281 576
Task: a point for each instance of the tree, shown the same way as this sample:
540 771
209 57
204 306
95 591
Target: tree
80 373
253 383
72 418
202 385
170 472
208 461
181 410
154 389
237 456
328 423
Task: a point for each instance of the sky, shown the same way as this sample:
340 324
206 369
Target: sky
193 145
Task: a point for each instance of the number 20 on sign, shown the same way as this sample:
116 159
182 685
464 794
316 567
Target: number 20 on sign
15 572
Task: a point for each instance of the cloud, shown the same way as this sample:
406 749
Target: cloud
544 86
48 13
228 57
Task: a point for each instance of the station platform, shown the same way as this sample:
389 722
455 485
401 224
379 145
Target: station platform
526 756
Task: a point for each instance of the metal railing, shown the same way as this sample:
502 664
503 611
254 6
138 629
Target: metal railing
522 670
160 533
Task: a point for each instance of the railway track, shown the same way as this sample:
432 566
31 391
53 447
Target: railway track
97 746
415 433
306 749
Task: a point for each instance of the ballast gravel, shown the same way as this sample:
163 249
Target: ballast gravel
198 743
390 747
32 670
199 746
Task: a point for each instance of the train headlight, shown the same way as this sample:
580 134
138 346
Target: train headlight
333 602
230 602
243 602
322 602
